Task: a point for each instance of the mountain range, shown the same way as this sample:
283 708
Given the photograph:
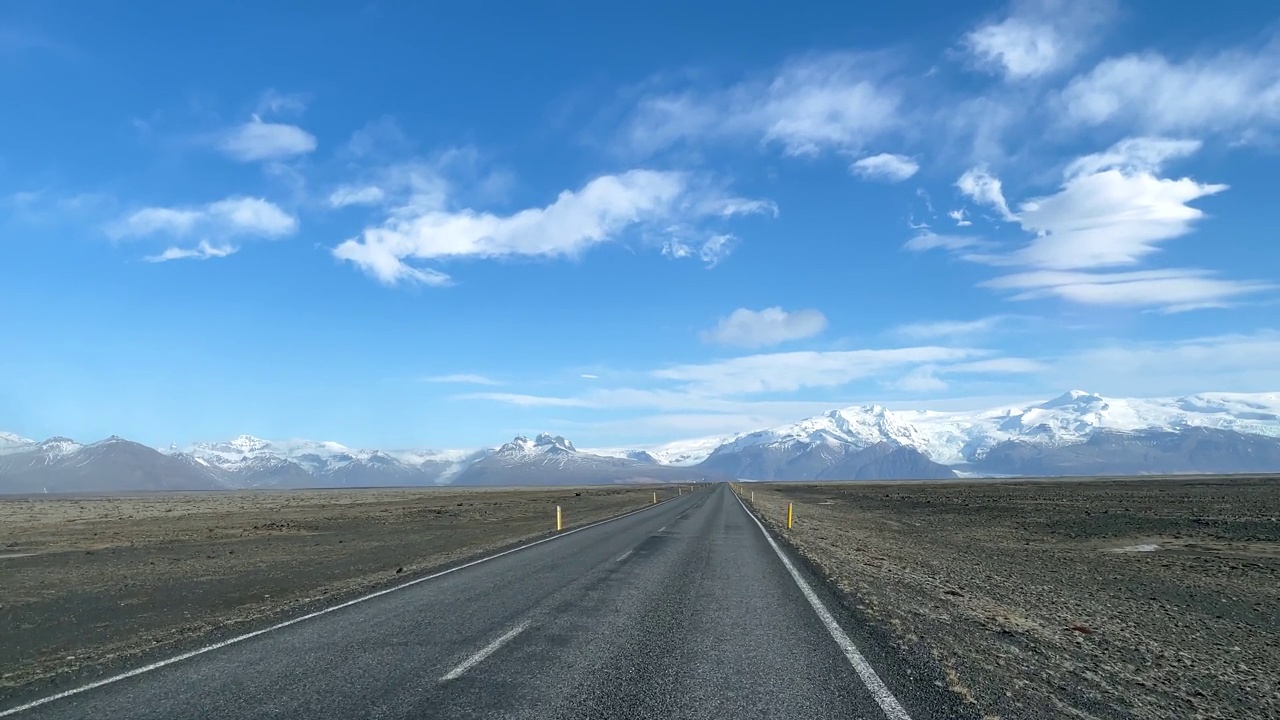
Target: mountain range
1077 433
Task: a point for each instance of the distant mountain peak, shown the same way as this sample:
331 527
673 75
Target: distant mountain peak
1073 397
247 443
541 443
546 439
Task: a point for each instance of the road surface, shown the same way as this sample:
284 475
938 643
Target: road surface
683 610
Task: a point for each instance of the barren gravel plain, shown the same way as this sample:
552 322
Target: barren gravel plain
1153 598
91 585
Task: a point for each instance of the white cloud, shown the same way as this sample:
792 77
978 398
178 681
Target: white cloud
787 372
1174 290
1038 37
156 220
1233 363
959 217
835 101
1113 209
951 328
751 328
357 195
719 387
716 249
929 240
730 206
599 212
1231 91
202 251
275 102
24 198
1001 365
253 216
523 400
984 188
462 379
232 217
1138 154
930 378
589 376
885 166
258 140
923 379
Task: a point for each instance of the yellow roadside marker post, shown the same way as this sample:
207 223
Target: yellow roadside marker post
788 516
560 522
753 496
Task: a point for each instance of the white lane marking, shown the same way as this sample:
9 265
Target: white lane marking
664 527
231 641
485 652
625 555
883 697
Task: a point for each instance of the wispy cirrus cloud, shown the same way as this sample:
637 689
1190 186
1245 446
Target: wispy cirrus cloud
462 379
953 328
1037 37
926 239
1241 362
792 371
357 195
1234 90
808 105
749 384
1173 290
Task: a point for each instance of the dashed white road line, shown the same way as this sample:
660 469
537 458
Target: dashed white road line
664 527
239 638
625 555
484 652
879 691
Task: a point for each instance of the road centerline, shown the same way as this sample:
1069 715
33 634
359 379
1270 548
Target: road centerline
483 653
308 616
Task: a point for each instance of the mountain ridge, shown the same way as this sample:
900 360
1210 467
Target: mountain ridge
1073 433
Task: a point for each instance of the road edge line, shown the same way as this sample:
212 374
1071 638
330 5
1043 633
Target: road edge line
879 691
293 621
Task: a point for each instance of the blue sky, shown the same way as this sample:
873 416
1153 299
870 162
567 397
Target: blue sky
393 224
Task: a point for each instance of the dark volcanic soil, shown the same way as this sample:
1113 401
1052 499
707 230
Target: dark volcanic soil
1151 598
89 585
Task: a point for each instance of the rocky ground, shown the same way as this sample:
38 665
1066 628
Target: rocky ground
1149 598
92 584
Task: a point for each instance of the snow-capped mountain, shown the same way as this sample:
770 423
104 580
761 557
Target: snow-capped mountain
553 460
10 442
985 441
681 453
247 461
1077 433
115 464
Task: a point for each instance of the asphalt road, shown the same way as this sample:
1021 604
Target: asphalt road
684 610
